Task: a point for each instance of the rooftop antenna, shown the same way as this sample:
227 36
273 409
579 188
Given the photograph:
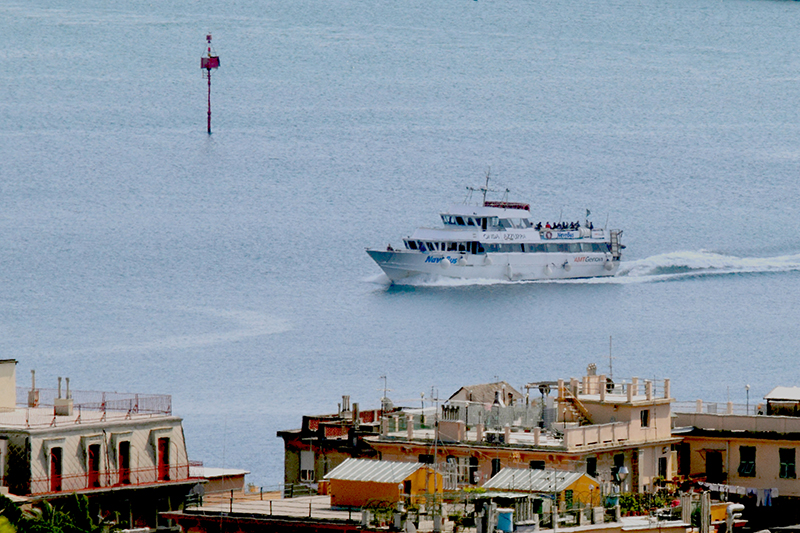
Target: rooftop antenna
209 63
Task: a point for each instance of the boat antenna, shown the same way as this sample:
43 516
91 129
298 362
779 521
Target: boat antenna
486 185
606 226
483 189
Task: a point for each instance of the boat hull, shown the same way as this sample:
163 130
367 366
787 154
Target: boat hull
401 264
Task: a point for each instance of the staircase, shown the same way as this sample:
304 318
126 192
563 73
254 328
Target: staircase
576 408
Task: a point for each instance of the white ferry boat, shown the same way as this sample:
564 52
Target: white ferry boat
499 240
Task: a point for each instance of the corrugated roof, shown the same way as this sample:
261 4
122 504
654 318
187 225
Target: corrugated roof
375 471
528 480
784 393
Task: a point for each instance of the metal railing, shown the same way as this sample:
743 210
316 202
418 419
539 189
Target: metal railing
109 478
715 408
102 401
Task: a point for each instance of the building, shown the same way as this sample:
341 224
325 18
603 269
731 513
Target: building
745 454
370 483
125 452
487 394
325 441
590 425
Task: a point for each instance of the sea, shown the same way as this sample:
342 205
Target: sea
138 253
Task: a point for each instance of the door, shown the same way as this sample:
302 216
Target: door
163 459
55 469
93 466
714 466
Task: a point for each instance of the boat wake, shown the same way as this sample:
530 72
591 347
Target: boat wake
662 267
676 265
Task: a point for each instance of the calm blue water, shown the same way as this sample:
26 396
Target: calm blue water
138 253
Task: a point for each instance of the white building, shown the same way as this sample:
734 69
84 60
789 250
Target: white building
126 452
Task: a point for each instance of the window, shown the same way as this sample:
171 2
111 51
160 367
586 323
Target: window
470 222
662 467
568 495
55 469
124 462
787 463
747 461
306 465
550 247
412 245
644 417
537 465
496 466
586 247
93 466
574 247
426 459
591 466
459 221
163 459
562 247
473 470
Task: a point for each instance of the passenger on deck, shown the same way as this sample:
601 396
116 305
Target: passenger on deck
547 226
389 248
538 226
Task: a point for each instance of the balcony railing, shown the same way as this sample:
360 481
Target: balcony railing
113 478
102 401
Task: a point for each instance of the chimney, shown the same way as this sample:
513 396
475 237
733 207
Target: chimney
356 417
33 394
63 406
345 403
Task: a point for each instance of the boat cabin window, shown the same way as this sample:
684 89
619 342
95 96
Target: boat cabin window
574 247
412 245
586 247
601 247
459 221
470 222
563 247
483 223
551 247
504 223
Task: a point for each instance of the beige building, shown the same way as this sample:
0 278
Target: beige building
126 452
739 447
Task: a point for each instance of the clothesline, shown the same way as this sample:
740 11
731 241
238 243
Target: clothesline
764 497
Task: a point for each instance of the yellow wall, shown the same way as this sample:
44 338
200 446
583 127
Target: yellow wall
346 493
584 490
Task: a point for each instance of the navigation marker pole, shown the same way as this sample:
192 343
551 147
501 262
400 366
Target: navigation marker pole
210 62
